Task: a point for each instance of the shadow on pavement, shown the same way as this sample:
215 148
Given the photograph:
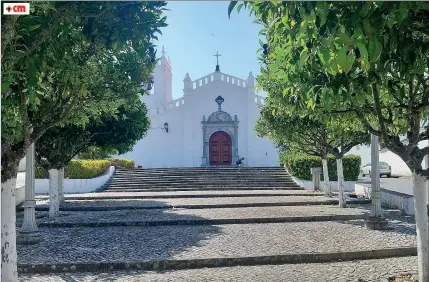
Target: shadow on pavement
398 224
125 243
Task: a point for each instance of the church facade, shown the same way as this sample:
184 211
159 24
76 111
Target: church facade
212 124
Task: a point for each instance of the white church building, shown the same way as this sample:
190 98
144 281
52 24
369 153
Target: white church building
212 124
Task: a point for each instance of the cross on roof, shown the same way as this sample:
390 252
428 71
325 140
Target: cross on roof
217 55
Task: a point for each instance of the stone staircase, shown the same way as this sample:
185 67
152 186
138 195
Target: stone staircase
201 179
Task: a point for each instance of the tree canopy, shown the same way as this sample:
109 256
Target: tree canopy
368 60
67 61
59 144
308 135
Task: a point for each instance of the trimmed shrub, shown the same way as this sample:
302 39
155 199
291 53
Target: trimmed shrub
79 169
125 163
299 166
85 169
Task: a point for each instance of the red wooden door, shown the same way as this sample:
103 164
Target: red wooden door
220 149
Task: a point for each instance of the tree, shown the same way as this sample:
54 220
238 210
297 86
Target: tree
369 59
97 153
304 134
59 145
48 59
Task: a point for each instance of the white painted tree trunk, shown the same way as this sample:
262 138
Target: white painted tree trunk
422 225
54 199
8 231
326 185
340 174
61 184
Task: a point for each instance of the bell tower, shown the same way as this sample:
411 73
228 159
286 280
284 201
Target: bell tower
162 92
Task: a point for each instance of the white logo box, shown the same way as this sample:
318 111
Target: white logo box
16 8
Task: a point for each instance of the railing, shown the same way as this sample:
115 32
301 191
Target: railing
175 103
223 77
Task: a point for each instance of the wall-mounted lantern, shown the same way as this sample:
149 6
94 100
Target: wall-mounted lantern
166 127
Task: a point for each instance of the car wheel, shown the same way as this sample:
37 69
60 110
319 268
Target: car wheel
389 175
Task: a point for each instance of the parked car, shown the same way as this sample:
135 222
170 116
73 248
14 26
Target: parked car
384 168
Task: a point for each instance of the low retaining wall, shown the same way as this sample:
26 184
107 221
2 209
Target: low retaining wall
72 186
389 199
349 186
19 195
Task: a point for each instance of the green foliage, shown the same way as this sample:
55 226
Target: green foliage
116 133
68 62
308 135
96 153
363 61
299 166
79 169
40 172
125 163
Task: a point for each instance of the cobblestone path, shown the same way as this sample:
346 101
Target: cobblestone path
179 240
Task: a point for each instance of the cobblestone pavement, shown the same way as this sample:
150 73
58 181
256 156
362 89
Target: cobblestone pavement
210 241
368 270
183 214
131 194
187 201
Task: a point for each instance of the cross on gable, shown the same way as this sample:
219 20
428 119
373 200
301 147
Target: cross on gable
217 55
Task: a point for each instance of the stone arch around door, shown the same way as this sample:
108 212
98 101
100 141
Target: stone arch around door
219 121
220 149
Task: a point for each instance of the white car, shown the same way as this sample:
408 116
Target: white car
384 168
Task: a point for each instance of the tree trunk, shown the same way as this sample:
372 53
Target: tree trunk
340 175
8 231
422 225
326 185
61 185
54 200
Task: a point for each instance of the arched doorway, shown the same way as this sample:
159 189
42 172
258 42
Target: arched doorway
220 149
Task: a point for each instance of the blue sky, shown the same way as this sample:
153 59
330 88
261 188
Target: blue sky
197 30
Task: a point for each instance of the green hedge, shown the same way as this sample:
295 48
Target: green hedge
125 163
299 166
79 169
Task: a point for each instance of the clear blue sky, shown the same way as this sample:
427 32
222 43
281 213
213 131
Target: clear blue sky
197 30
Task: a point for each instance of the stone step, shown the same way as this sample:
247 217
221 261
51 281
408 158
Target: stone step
175 180
213 184
202 172
196 173
167 189
381 269
197 246
169 178
191 203
202 175
206 169
185 194
196 185
157 217
65 207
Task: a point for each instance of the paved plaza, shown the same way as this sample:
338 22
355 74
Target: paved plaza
206 235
